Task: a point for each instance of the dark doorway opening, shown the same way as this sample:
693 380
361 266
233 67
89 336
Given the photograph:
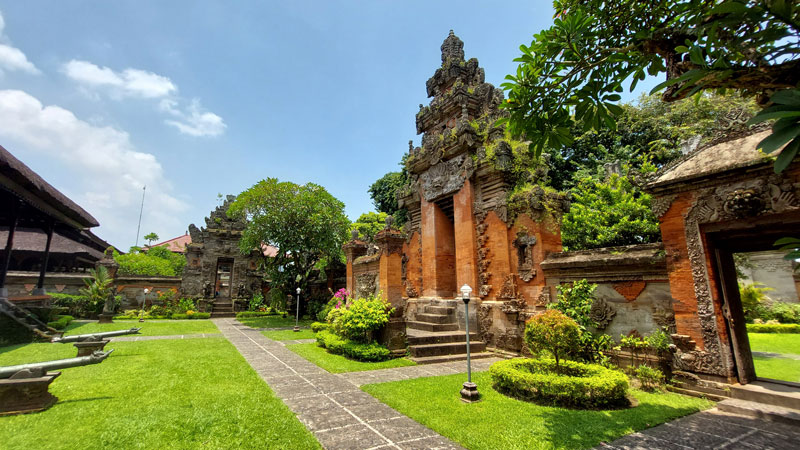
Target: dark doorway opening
222 289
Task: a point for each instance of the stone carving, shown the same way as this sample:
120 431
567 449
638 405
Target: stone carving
660 205
366 284
195 234
354 234
544 297
524 244
452 48
664 318
446 177
743 203
509 289
602 313
484 290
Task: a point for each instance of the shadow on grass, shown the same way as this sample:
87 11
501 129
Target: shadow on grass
88 399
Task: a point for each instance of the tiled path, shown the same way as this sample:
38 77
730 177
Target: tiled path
340 415
712 429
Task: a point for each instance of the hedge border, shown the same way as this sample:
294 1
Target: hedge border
336 345
536 380
773 328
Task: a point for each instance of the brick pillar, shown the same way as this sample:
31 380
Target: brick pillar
465 239
390 271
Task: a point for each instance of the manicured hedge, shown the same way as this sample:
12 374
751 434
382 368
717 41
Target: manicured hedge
316 327
361 352
578 385
773 328
61 322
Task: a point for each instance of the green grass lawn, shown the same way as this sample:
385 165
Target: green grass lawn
785 369
288 335
172 394
338 364
500 422
777 368
774 343
149 328
273 322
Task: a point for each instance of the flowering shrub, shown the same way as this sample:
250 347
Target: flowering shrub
338 301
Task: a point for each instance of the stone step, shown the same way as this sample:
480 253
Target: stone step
761 411
768 393
695 393
426 326
216 315
434 318
701 390
448 348
429 309
449 358
416 337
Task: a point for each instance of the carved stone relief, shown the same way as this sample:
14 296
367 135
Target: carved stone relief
602 313
366 284
446 177
524 244
660 205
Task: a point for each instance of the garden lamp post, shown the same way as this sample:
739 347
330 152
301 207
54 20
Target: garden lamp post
144 302
469 393
297 318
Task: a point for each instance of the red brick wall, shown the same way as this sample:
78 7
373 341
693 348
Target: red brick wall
499 253
413 272
466 244
438 252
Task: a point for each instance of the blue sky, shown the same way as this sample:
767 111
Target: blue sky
195 98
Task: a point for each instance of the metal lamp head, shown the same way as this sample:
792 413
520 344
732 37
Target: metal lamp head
146 291
465 291
298 291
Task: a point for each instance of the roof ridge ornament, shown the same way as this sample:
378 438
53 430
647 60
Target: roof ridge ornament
452 48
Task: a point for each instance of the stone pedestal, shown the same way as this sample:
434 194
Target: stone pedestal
105 318
470 394
26 395
86 348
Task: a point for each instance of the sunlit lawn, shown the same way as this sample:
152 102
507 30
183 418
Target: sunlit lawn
149 328
776 368
176 394
338 363
288 335
500 422
273 322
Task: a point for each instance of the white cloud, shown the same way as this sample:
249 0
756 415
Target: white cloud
107 169
12 58
194 121
131 82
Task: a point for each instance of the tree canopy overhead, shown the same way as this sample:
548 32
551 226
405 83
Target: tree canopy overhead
305 222
575 71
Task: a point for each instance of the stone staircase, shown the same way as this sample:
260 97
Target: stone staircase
23 317
434 335
222 309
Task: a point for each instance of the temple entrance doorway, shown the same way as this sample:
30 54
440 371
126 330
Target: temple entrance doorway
222 287
757 286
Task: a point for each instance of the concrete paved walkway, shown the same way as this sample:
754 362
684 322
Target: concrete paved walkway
340 415
712 429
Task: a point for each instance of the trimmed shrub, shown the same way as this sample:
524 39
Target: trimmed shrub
773 328
316 327
194 315
361 318
77 305
650 378
354 350
554 332
579 385
61 322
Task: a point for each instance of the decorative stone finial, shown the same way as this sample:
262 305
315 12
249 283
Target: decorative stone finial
354 234
452 48
389 222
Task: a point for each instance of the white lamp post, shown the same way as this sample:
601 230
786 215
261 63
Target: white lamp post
297 319
469 393
144 302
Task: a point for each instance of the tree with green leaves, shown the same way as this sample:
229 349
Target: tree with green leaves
573 72
369 224
383 193
305 223
97 288
608 213
156 261
150 238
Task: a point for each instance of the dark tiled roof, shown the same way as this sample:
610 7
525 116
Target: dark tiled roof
34 240
19 179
